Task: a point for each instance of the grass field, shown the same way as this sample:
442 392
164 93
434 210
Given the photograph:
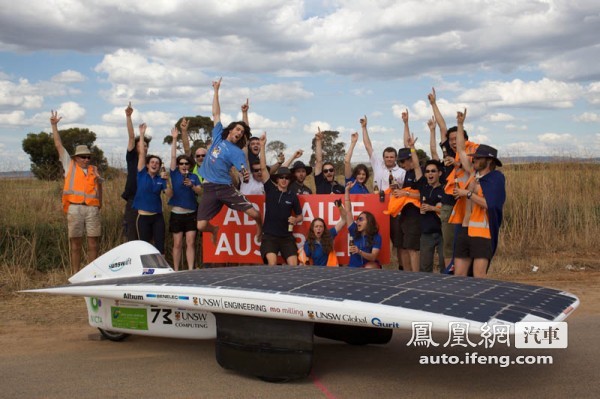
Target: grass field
551 220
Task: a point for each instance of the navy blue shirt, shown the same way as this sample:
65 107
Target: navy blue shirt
430 221
325 187
278 208
131 183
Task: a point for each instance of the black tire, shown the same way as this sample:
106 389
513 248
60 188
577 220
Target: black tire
113 335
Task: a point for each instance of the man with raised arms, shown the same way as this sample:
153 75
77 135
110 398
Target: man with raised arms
224 153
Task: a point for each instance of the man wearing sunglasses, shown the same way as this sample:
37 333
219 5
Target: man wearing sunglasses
280 203
325 171
255 185
431 193
82 198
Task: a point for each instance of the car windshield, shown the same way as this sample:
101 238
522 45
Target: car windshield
154 261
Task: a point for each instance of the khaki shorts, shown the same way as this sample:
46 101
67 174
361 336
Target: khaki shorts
82 220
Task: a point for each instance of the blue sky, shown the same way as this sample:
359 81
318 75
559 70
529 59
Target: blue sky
528 71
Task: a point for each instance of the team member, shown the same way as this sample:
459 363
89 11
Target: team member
81 198
431 193
131 157
318 248
364 234
280 202
183 190
485 193
385 167
360 173
151 182
299 173
324 171
224 153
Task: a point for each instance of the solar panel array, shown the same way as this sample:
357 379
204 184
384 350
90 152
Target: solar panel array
464 297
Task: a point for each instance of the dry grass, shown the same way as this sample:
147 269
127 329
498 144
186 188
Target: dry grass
551 219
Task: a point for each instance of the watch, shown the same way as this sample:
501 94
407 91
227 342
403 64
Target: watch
469 194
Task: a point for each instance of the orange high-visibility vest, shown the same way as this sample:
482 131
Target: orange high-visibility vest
479 225
460 207
332 259
395 205
80 188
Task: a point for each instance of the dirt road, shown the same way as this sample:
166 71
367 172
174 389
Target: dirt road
48 350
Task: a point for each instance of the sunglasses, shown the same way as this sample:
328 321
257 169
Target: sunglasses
256 170
285 177
328 170
200 155
183 163
430 171
361 219
84 156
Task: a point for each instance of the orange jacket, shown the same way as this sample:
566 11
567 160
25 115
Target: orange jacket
395 205
80 188
332 260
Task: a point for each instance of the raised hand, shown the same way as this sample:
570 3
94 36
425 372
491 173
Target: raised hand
184 124
298 154
354 137
461 116
142 129
128 110
281 158
431 123
431 96
319 135
246 106
405 116
363 122
54 118
174 133
412 140
217 84
263 138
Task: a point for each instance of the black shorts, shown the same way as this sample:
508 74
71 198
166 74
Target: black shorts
182 222
272 244
217 195
410 230
472 247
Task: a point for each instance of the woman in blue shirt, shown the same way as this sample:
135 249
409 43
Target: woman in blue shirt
151 182
360 173
365 240
184 187
319 242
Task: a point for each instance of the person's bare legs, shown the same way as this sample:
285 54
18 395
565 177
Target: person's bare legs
480 266
92 248
271 259
414 259
76 244
190 248
177 249
406 262
254 214
292 260
461 266
204 225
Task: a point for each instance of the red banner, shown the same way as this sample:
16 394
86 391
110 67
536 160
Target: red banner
236 243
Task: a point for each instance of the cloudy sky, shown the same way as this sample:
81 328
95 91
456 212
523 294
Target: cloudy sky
528 71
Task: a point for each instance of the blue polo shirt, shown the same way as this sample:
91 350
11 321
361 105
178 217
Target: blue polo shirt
319 257
362 243
221 156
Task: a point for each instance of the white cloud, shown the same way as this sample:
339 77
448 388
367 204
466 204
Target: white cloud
68 76
512 126
312 127
545 93
556 138
498 117
587 117
14 118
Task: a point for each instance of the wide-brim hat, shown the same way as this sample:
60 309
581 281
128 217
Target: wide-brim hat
282 171
81 150
301 165
486 151
403 153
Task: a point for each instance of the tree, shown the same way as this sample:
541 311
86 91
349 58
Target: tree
45 164
276 147
333 151
199 129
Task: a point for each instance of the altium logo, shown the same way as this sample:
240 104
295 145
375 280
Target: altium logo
131 296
